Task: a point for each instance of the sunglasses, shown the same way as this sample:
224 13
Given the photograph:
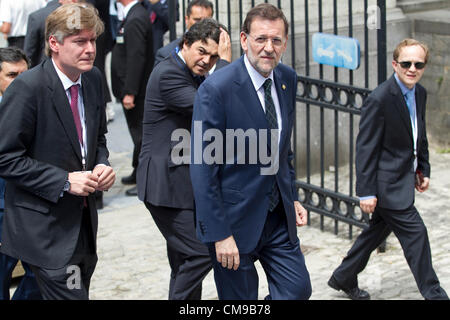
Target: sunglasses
407 64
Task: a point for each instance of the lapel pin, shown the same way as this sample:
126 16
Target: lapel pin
283 86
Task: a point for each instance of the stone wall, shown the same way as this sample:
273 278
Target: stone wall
436 79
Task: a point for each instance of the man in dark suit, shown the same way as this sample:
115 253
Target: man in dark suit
392 159
164 183
13 62
196 11
131 65
104 42
53 157
245 210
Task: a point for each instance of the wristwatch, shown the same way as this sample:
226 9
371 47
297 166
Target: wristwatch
66 186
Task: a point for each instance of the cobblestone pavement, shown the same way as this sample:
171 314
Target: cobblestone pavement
132 253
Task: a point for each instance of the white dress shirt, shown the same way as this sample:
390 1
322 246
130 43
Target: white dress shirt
67 83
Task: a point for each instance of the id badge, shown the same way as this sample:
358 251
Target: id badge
119 39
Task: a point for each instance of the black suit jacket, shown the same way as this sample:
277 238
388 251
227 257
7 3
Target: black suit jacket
384 146
35 38
38 148
170 96
132 60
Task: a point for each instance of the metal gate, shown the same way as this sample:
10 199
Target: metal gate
328 101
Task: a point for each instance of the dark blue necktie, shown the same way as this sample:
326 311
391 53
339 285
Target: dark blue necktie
271 117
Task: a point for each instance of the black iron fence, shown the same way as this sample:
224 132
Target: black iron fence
329 98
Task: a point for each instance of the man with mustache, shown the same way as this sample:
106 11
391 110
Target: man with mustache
163 182
53 157
242 214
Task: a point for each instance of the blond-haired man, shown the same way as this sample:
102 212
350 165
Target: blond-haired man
54 157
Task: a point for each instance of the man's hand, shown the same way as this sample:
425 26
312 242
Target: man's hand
301 215
106 177
422 183
224 49
227 253
368 205
82 183
128 101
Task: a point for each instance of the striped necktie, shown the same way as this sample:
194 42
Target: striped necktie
271 117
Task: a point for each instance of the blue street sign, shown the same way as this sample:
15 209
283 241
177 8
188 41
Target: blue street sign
338 51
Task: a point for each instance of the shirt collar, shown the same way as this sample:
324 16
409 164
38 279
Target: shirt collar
66 82
404 88
257 79
127 8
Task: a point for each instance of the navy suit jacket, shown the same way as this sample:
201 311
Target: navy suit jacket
384 146
38 148
232 198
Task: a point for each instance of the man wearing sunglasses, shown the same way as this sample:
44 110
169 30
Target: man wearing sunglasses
392 159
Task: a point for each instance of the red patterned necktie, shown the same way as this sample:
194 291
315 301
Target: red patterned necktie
76 118
76 114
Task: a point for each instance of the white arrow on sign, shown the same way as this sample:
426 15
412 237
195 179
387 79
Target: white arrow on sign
328 52
344 55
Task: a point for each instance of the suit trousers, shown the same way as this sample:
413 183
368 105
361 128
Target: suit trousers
134 119
282 261
188 257
27 288
72 281
411 232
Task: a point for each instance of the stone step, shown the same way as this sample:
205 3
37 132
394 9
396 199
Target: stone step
409 6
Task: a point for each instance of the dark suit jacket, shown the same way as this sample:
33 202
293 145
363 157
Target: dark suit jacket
232 198
35 38
169 100
132 61
384 146
38 148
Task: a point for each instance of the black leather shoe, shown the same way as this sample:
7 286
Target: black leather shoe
131 179
354 293
132 192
